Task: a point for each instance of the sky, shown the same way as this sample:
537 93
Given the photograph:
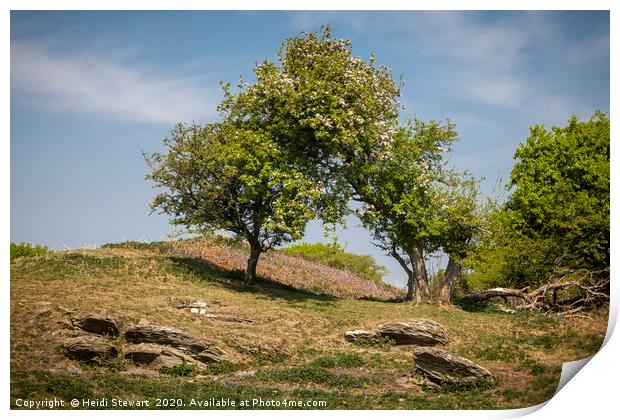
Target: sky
90 91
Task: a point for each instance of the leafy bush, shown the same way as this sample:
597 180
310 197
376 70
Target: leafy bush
382 342
557 216
335 256
27 250
180 370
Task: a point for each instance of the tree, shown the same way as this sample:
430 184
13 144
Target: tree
557 216
333 113
337 117
404 205
463 223
231 177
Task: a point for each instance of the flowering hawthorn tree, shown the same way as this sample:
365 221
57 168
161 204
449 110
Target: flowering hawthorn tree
331 112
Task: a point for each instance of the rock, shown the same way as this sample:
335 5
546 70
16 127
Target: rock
157 356
213 355
145 373
44 312
245 373
360 335
65 310
187 303
165 336
143 353
74 370
422 332
98 324
169 359
143 322
442 366
90 348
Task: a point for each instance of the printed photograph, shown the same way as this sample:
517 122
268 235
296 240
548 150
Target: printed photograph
324 210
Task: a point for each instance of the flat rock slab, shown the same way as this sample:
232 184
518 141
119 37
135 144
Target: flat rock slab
443 367
422 332
165 336
187 303
97 323
213 355
360 335
90 348
156 356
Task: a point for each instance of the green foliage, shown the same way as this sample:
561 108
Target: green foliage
312 374
27 250
181 370
402 199
557 216
413 204
42 384
381 342
233 178
335 256
328 109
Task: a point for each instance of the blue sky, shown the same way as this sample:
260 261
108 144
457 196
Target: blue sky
91 90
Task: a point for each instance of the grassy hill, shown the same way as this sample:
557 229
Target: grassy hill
293 321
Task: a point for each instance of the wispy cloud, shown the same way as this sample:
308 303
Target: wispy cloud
105 85
472 57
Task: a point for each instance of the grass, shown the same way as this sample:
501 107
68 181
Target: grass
310 374
339 360
293 348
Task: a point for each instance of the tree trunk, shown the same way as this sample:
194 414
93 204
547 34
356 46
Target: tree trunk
410 287
418 290
453 271
250 272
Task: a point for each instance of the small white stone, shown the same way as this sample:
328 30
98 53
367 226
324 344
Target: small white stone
203 311
194 310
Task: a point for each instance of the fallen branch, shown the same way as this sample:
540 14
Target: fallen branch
591 287
497 292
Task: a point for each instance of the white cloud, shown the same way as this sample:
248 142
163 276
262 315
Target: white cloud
471 57
103 85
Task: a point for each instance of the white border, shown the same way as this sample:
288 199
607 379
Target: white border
592 394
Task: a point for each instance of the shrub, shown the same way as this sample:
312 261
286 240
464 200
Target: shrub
335 256
180 370
27 250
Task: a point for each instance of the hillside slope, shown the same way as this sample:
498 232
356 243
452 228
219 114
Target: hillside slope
278 268
285 343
